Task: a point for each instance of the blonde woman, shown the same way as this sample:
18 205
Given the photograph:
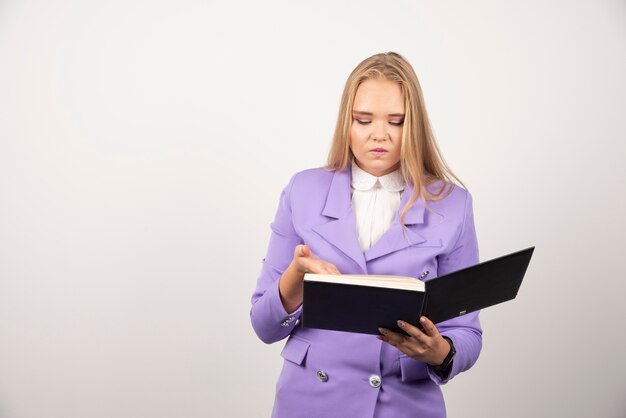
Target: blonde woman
386 203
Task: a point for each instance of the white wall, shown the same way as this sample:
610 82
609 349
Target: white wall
143 146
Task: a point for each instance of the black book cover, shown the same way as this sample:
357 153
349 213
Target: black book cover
476 287
363 309
355 308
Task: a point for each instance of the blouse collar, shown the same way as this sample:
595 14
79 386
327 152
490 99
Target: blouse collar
362 180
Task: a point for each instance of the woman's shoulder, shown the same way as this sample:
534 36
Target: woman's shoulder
315 173
312 178
449 195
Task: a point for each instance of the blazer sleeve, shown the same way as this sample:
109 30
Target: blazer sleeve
464 331
269 319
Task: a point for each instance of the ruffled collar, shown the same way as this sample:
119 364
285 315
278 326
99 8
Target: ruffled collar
362 180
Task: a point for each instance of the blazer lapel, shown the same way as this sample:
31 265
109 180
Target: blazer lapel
398 237
340 231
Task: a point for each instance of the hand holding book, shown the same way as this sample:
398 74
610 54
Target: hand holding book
425 345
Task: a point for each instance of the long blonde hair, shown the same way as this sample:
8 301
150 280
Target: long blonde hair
421 162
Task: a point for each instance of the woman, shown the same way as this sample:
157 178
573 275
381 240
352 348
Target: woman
385 204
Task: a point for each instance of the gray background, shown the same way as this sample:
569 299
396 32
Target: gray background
144 144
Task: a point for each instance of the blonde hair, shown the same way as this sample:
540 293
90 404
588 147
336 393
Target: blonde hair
421 162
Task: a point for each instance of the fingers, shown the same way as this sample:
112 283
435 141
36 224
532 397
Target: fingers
309 263
333 269
390 337
303 251
396 339
420 345
429 328
413 331
408 345
322 267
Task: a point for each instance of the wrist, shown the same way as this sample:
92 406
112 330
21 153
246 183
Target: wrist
446 362
290 287
442 351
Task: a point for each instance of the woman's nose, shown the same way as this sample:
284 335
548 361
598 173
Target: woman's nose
379 131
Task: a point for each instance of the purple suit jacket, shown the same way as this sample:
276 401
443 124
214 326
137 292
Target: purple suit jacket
329 373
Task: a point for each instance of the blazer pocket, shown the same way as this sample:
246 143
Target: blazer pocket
412 369
295 350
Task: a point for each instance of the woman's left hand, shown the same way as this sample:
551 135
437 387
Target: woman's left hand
427 345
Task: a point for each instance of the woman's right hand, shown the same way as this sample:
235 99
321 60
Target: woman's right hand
292 280
305 262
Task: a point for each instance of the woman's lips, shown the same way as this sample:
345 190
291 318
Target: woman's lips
379 152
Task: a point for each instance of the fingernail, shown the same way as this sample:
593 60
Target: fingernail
423 319
383 331
401 324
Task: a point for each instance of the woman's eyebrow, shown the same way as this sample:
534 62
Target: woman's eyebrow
360 112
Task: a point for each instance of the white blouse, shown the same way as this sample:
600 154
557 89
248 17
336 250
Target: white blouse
375 201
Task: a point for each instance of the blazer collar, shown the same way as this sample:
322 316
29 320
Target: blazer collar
339 201
399 236
341 232
415 214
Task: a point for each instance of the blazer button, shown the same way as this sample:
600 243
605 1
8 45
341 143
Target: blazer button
287 321
375 381
322 376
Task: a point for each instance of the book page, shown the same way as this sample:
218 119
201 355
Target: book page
389 282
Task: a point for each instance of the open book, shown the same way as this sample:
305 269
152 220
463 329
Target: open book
363 303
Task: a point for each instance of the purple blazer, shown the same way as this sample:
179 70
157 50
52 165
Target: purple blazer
337 374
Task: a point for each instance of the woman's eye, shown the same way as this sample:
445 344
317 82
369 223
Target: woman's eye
397 122
362 121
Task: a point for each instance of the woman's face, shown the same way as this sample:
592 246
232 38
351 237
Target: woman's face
376 131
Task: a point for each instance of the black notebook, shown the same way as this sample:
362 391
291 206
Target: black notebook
363 303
